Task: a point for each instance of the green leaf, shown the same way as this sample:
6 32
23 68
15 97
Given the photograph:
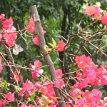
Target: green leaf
32 97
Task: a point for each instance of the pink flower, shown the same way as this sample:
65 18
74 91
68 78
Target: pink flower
36 70
35 75
53 105
10 38
9 32
37 64
68 105
90 10
61 46
84 61
16 76
79 75
28 86
31 105
27 95
59 83
80 103
5 102
38 85
48 90
96 94
59 73
93 11
104 19
2 17
8 23
1 103
23 105
9 96
82 84
31 26
105 101
90 73
97 13
36 40
75 93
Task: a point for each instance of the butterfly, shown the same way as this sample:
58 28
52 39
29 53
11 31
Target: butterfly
17 49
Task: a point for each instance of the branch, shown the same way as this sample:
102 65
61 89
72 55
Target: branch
11 59
46 55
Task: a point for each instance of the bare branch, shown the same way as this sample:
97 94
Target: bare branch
45 54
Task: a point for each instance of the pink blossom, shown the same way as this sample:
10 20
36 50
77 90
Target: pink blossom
16 76
59 73
38 85
9 96
68 105
36 70
9 32
5 102
48 91
104 19
75 93
10 38
59 83
2 17
23 105
31 26
1 103
35 75
36 40
8 23
80 103
28 86
97 13
96 94
79 75
53 105
90 73
94 11
37 63
61 46
90 10
31 105
84 61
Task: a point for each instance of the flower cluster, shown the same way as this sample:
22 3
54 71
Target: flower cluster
28 89
88 98
8 30
8 98
36 69
32 28
97 13
89 74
